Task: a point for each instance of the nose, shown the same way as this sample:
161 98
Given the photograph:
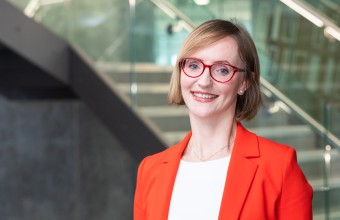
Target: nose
205 79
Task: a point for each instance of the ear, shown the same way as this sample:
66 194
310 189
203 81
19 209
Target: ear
244 85
243 88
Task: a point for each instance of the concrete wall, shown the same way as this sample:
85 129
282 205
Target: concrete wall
57 161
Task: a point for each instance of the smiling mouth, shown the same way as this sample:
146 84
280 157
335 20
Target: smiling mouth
204 96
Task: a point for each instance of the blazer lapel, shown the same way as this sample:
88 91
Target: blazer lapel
166 179
240 174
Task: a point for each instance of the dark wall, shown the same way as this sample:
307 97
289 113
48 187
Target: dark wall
57 161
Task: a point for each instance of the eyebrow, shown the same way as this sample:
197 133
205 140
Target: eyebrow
219 61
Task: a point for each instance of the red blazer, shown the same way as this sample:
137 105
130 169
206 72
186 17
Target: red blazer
263 181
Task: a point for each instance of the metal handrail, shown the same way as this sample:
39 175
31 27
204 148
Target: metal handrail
173 12
320 129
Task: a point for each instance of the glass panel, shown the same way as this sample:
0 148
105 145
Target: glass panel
197 10
300 60
100 28
158 36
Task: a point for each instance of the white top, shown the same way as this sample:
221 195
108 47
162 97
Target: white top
198 190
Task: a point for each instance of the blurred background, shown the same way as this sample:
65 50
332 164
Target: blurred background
83 96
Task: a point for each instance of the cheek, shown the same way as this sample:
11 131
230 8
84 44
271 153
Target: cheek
184 82
238 83
186 86
230 90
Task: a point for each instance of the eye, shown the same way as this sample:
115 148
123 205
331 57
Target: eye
193 65
222 69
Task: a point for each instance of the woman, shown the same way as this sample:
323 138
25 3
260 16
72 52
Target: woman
220 170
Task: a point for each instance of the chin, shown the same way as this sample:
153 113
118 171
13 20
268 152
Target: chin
202 114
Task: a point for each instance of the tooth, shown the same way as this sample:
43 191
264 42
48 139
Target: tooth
204 96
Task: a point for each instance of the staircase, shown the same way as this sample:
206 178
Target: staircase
272 122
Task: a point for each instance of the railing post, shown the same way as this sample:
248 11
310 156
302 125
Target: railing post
326 186
132 51
327 160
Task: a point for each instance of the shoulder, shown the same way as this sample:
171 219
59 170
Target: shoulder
280 161
252 145
268 146
276 153
265 151
281 176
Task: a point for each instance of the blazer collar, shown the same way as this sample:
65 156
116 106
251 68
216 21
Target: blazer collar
245 147
241 173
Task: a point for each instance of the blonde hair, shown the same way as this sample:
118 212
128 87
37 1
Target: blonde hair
207 33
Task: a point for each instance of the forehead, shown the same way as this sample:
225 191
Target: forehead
225 49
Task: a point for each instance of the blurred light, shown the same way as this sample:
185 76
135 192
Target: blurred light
202 2
51 2
34 5
132 3
304 11
277 106
173 59
93 21
266 92
31 8
134 88
334 33
327 154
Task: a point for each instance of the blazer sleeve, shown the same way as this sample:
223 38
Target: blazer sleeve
296 194
138 207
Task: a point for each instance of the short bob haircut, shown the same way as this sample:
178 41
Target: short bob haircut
207 33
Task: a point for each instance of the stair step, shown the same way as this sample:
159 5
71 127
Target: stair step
164 111
326 198
320 215
139 67
284 130
146 88
318 184
316 155
175 136
141 72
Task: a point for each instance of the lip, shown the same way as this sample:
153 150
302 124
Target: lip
203 96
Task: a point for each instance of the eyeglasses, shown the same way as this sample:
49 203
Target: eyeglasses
220 72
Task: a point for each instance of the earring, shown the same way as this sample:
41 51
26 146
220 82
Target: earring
241 92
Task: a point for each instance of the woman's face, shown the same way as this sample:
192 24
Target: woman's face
206 98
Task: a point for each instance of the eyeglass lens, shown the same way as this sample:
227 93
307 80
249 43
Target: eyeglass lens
220 71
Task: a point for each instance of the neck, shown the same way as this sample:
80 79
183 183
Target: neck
214 132
211 141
